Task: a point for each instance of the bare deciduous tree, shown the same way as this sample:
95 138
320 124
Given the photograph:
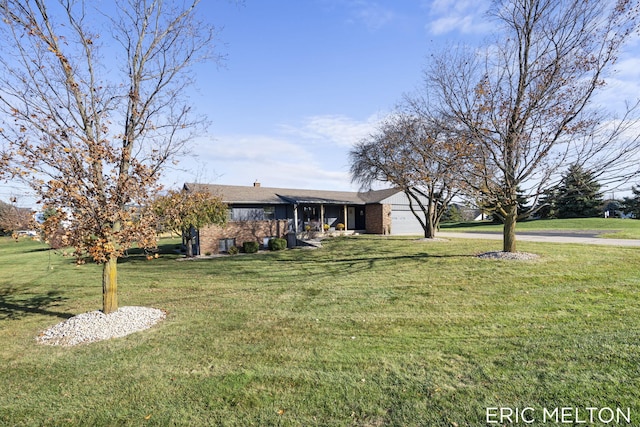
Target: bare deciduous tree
414 152
94 105
14 218
527 99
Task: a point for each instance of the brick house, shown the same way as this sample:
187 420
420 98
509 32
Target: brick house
257 213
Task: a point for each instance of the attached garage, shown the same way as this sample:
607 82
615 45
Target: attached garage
403 221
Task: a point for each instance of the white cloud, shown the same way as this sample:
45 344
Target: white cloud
333 129
274 161
369 13
374 15
622 86
465 17
312 155
254 148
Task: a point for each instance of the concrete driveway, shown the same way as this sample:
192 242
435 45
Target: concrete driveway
588 237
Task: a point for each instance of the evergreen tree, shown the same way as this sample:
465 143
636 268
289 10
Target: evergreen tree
631 205
452 214
547 207
612 208
579 194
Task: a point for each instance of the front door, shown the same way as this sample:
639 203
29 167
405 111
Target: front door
351 218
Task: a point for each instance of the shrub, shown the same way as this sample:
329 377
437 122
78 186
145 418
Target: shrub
277 244
251 247
233 250
340 226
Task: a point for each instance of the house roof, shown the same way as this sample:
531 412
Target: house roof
237 194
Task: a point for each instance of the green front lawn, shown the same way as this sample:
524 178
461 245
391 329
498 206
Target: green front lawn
366 331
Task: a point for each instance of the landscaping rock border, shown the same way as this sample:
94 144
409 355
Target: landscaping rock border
520 256
97 326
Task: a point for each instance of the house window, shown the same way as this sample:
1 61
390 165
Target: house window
247 214
269 212
225 244
253 214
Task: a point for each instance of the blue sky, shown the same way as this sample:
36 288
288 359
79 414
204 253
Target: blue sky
304 80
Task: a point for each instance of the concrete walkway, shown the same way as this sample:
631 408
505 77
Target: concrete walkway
531 237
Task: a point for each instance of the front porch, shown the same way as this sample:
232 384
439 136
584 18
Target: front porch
328 218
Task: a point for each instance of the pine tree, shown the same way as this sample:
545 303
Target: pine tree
631 205
452 214
579 194
547 207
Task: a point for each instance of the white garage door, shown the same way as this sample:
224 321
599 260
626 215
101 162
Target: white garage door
403 221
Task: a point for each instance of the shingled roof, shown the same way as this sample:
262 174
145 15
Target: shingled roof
256 194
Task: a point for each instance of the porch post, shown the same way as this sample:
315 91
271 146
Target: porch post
295 218
322 217
345 218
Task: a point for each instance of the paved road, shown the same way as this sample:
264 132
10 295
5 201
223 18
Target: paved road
549 237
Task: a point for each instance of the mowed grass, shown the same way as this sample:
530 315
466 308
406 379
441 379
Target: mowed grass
366 331
615 228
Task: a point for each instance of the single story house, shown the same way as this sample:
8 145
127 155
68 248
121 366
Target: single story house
257 213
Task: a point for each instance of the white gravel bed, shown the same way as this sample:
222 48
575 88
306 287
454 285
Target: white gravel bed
522 256
97 326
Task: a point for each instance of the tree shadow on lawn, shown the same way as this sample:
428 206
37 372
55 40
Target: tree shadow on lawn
43 249
327 267
14 307
373 259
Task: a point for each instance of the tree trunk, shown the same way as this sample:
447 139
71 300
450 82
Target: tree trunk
429 231
429 223
189 245
509 230
110 285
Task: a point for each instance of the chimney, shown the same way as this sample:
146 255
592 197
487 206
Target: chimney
256 184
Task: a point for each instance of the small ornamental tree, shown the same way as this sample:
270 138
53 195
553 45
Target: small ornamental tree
94 104
183 211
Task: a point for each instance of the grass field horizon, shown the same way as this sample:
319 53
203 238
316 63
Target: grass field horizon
366 331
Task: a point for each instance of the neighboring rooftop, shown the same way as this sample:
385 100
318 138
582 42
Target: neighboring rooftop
269 195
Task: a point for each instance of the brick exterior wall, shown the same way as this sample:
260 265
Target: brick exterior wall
378 219
242 231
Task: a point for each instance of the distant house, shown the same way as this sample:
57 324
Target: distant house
257 213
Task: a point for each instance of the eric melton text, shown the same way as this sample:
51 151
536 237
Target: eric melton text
558 415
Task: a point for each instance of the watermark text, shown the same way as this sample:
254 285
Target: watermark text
558 415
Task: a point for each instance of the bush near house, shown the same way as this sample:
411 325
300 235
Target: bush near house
277 244
250 247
